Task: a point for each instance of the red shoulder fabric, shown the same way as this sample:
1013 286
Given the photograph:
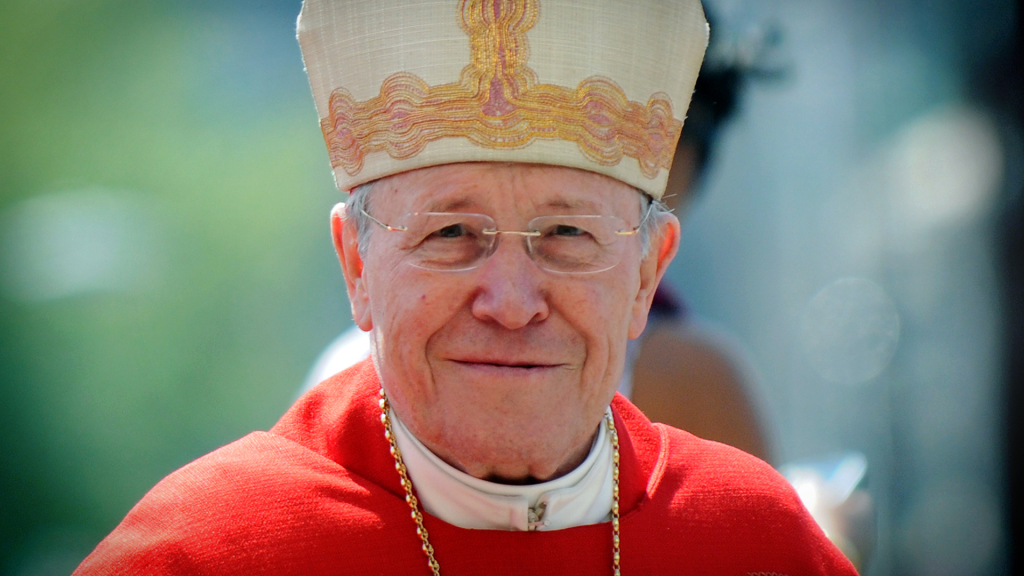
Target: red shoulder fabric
318 494
280 503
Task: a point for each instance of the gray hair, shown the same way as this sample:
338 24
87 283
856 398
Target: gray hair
358 206
356 210
649 227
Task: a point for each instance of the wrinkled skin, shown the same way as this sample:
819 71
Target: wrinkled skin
503 371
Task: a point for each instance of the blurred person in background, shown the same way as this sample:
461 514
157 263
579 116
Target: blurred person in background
488 413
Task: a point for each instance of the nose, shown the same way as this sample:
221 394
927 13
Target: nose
512 290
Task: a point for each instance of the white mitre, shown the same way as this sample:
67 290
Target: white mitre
601 85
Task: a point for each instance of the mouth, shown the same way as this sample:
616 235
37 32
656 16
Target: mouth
505 365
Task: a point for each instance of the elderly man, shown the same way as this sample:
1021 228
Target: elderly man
502 242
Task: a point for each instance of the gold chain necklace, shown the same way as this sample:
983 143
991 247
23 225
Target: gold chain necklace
414 503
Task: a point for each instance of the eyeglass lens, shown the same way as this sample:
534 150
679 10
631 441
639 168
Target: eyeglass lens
566 243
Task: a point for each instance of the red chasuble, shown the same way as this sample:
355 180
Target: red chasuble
319 494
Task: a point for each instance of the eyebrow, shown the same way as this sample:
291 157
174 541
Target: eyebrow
575 205
455 204
450 205
563 203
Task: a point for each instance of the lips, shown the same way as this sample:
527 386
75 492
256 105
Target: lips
525 365
507 368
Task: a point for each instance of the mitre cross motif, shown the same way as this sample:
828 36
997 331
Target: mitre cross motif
498 102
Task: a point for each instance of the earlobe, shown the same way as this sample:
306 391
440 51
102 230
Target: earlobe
664 246
346 244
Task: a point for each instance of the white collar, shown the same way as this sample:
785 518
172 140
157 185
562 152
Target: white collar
583 496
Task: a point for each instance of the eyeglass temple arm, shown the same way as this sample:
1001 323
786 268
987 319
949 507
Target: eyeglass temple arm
383 225
647 215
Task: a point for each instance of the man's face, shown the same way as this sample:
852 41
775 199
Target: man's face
505 370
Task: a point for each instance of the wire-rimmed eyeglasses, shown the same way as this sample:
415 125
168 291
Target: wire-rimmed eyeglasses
568 244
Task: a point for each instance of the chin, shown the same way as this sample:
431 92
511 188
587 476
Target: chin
513 445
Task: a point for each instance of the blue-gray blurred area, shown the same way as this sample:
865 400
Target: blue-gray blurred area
848 237
167 277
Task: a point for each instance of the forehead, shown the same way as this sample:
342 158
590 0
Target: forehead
499 187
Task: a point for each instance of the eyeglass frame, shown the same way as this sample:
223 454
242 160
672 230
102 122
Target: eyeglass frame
523 233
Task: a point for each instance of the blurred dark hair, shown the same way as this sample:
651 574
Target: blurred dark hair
715 100
720 85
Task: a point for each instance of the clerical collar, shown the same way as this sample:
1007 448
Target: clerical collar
583 496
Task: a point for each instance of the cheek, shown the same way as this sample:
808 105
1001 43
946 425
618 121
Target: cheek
607 305
611 320
409 307
600 312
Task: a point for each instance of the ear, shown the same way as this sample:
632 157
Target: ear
663 249
346 244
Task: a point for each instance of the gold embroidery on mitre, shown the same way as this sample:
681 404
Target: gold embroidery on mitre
498 103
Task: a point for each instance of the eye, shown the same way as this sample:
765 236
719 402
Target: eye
451 231
566 230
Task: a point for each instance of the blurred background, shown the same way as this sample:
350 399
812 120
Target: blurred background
167 277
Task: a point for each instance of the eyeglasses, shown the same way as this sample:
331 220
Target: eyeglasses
567 244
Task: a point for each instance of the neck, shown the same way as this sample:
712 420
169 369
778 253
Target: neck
583 496
577 457
518 472
521 463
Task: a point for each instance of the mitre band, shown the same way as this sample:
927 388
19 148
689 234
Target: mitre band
600 85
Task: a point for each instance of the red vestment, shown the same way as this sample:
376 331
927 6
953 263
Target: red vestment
319 494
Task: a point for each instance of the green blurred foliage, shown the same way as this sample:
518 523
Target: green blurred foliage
203 113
